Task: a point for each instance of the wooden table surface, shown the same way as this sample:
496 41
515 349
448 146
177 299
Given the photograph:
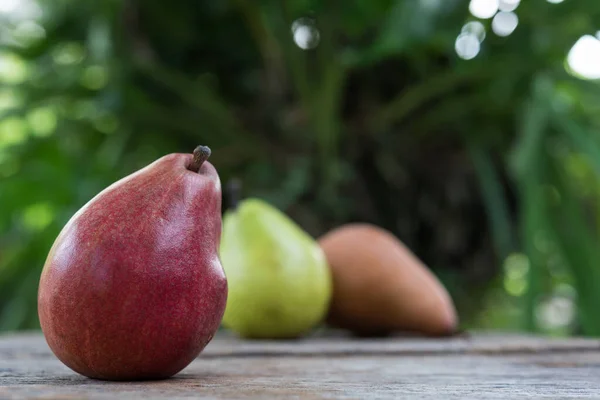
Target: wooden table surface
480 366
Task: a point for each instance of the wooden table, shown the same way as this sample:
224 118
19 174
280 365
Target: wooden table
481 366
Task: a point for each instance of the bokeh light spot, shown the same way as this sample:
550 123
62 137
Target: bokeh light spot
38 216
556 312
13 131
21 10
306 35
515 287
474 28
508 5
8 6
94 77
13 69
68 53
516 265
484 9
516 268
467 46
505 23
584 58
29 32
42 121
10 99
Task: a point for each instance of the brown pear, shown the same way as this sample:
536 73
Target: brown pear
381 287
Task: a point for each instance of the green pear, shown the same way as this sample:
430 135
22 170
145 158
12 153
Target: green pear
279 280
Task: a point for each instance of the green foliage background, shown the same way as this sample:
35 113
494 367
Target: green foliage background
487 168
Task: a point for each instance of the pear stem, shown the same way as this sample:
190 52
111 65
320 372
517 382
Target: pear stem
201 154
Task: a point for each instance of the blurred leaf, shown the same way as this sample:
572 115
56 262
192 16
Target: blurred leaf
495 200
579 244
529 164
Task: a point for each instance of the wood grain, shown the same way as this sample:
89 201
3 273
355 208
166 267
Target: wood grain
481 366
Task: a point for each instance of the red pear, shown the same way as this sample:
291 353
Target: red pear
133 287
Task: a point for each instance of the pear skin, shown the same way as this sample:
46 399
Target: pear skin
381 287
133 287
279 281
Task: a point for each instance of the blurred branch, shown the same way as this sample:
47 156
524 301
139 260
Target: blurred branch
328 93
142 49
414 96
268 46
198 96
447 113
